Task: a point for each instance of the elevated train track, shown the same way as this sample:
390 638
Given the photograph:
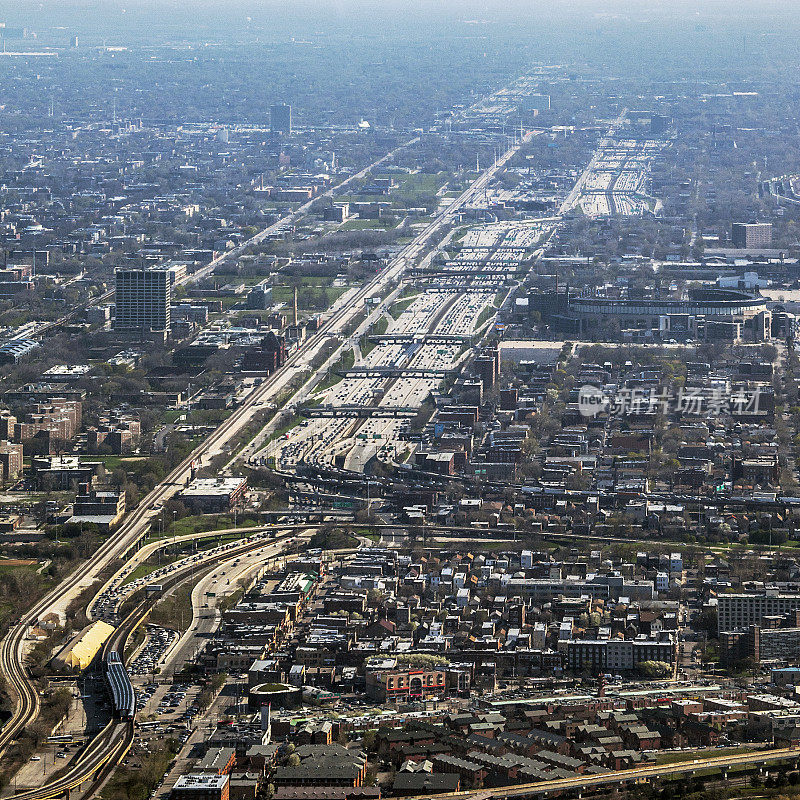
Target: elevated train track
113 744
114 741
137 522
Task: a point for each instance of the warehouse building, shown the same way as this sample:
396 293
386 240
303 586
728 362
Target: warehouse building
214 495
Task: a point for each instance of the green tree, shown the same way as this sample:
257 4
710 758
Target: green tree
655 669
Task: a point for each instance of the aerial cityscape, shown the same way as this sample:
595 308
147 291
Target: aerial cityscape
399 400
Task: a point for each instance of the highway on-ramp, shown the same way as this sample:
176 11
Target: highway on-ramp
138 521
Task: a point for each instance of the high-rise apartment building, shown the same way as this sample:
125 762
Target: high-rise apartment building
142 299
737 612
10 460
487 366
280 119
754 235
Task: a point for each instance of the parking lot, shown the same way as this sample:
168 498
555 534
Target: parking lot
157 643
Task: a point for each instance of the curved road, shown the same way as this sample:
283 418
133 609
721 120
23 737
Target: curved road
107 748
139 520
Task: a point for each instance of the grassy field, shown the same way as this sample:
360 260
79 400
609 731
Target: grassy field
331 379
379 328
15 566
303 282
175 610
140 572
114 462
401 305
291 423
484 315
417 187
689 755
309 297
368 533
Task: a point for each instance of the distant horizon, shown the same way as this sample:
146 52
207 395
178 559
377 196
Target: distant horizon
678 40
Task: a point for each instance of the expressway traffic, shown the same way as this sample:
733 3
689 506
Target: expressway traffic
398 373
139 521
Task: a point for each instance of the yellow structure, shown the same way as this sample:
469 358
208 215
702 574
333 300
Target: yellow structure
78 654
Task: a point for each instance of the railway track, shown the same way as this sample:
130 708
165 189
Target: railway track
110 746
199 569
28 704
12 646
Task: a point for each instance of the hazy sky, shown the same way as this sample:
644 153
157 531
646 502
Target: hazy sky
676 36
634 9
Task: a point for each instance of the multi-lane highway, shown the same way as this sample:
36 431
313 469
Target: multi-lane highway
114 594
429 337
361 416
573 198
111 745
400 372
113 742
12 647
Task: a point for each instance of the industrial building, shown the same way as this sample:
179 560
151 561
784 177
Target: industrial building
13 352
214 495
102 508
